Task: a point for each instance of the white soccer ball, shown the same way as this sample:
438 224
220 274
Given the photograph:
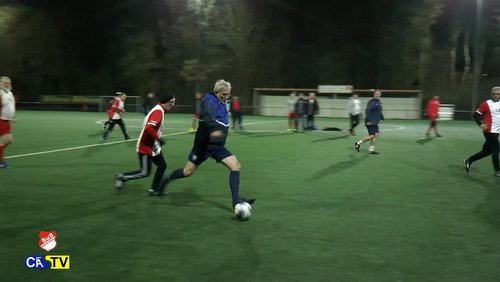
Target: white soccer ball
243 210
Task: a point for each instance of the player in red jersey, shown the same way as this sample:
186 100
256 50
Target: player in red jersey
487 116
149 146
432 112
115 113
7 113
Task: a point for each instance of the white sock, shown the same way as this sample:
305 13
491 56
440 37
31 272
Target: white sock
371 148
360 142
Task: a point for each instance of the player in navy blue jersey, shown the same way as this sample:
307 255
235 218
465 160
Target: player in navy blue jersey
373 116
210 140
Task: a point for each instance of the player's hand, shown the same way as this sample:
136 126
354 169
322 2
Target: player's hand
381 121
483 126
368 123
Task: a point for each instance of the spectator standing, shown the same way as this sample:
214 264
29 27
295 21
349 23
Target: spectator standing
354 109
196 115
312 111
7 114
292 115
301 110
236 113
149 103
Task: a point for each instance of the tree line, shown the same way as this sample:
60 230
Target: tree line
137 46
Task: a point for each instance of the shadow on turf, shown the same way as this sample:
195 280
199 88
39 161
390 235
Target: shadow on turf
423 141
187 197
258 134
489 210
331 138
337 167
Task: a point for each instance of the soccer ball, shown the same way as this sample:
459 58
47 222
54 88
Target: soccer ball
243 210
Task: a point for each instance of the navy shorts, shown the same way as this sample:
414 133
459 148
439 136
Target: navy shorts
372 129
217 153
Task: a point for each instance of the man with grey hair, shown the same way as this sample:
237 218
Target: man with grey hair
7 113
487 116
210 140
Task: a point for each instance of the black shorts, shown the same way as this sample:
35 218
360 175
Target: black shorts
372 129
215 152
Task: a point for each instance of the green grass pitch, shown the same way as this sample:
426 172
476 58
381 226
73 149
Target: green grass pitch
323 212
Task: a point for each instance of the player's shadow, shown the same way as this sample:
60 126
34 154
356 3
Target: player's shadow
259 134
331 138
94 135
337 167
423 141
187 197
489 210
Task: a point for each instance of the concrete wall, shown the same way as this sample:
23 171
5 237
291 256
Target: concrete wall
336 106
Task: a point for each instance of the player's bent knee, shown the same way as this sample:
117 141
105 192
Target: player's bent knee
188 172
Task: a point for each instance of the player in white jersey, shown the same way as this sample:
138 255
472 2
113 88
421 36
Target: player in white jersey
354 109
487 116
7 113
149 146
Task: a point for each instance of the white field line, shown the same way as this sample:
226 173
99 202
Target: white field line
100 144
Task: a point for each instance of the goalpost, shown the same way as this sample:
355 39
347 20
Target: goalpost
333 99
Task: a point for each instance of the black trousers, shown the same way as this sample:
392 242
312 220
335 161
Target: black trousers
111 125
354 121
237 116
490 147
145 163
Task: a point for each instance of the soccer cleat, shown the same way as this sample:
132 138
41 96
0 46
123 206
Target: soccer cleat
438 135
467 165
153 192
497 173
3 164
161 188
127 137
357 146
119 182
249 201
373 153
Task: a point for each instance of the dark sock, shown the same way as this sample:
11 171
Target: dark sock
234 184
178 173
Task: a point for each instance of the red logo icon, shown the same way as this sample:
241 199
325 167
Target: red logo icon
47 240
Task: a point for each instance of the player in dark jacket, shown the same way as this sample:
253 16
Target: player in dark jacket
210 140
374 116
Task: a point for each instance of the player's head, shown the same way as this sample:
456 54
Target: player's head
293 95
5 83
222 90
151 95
167 102
377 94
122 96
355 96
495 93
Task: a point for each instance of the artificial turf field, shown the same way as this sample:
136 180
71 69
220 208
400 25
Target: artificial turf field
324 212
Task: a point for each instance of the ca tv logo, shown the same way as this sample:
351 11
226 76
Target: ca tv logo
49 261
47 242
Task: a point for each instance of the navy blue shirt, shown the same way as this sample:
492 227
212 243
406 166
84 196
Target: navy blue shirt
213 117
373 112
